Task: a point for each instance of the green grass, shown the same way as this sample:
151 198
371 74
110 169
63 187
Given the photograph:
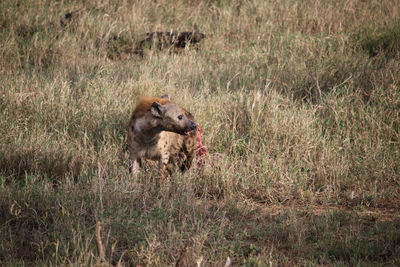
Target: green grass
299 109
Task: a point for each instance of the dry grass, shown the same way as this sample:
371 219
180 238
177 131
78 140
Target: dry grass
299 104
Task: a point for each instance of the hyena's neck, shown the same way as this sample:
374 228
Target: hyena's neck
147 131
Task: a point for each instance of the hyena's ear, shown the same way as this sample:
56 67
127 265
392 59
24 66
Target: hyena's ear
165 96
157 110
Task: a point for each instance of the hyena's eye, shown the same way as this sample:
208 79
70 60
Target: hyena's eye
180 117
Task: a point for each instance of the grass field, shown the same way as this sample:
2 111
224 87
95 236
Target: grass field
299 105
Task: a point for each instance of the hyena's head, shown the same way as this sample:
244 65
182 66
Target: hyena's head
188 38
198 36
173 118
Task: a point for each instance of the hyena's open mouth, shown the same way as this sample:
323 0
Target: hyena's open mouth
191 128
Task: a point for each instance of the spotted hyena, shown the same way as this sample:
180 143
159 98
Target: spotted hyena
161 130
170 40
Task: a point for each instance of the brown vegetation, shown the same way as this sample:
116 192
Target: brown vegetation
299 106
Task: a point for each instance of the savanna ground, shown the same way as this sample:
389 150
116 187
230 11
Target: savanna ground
299 103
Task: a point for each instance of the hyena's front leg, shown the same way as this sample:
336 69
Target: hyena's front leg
188 153
187 163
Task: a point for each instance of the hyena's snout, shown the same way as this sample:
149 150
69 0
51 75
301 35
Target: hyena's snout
192 126
189 127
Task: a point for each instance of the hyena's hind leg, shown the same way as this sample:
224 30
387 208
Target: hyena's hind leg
134 162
